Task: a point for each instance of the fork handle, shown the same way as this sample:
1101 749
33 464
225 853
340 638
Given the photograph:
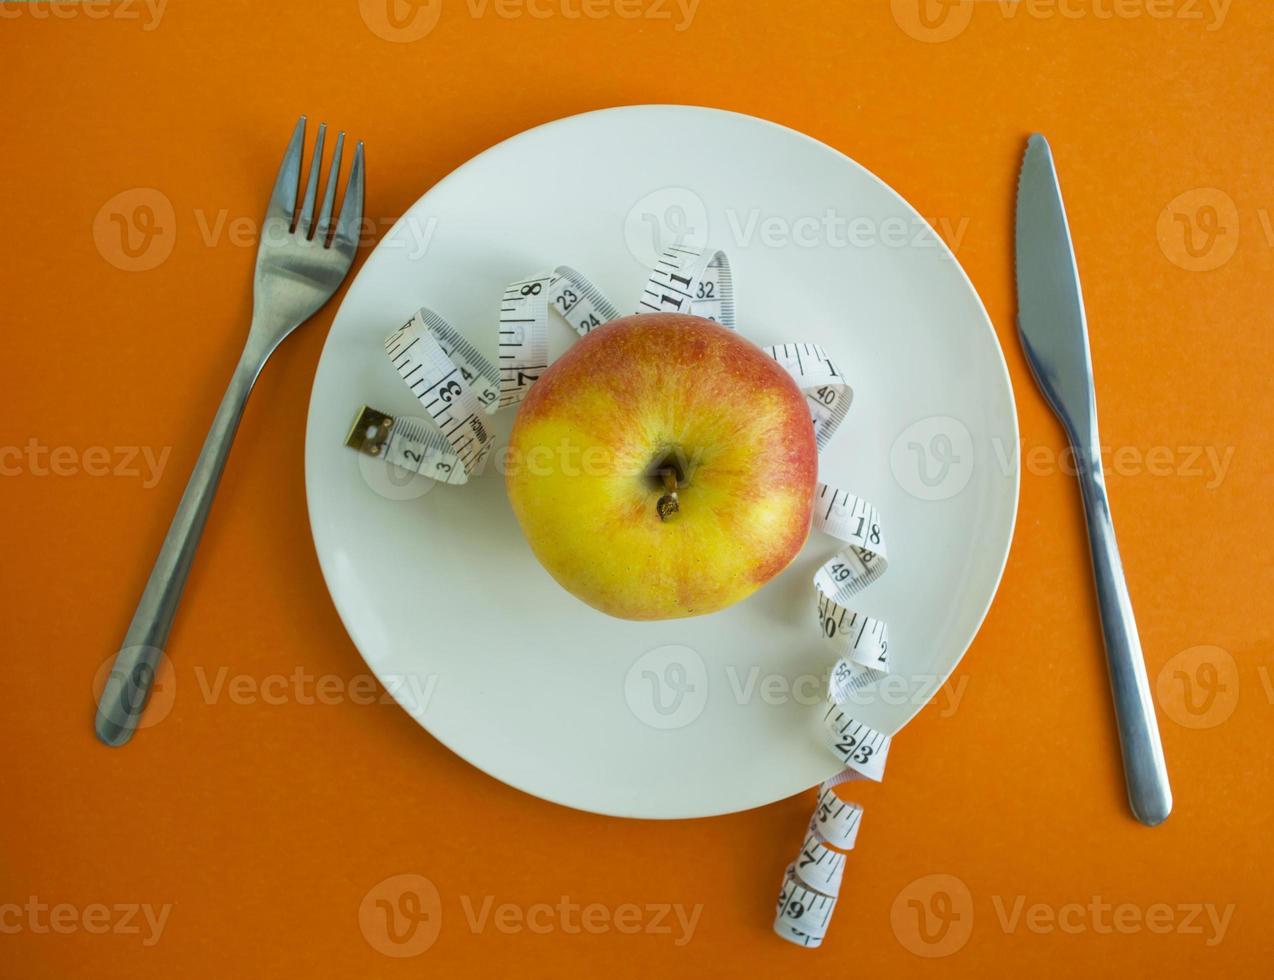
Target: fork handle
133 673
1145 770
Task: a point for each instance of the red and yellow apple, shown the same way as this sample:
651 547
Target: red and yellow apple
663 467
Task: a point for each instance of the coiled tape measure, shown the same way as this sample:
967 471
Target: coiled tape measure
460 389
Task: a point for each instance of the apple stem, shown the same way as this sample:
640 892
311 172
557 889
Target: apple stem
667 506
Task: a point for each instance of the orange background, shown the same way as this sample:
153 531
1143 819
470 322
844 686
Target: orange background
265 826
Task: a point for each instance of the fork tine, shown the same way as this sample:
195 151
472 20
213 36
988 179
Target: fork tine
350 222
283 197
311 185
329 193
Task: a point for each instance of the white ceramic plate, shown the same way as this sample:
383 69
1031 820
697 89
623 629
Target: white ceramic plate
438 588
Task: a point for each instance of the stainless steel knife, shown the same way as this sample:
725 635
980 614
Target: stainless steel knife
1054 332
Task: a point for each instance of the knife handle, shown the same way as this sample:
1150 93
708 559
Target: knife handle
1145 771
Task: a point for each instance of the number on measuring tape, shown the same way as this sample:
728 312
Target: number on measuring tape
456 385
819 866
577 301
524 316
859 746
524 342
858 639
827 394
684 280
803 912
408 444
835 820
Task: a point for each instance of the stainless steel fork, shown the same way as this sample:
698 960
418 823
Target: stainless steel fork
298 270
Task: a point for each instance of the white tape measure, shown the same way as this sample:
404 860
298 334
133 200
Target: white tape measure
459 389
683 281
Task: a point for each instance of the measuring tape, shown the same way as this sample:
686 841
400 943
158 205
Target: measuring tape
459 389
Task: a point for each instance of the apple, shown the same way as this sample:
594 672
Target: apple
663 467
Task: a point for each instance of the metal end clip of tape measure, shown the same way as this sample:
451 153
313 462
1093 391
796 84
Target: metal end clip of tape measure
459 388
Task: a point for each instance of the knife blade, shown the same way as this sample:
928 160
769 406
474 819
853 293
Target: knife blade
1054 333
